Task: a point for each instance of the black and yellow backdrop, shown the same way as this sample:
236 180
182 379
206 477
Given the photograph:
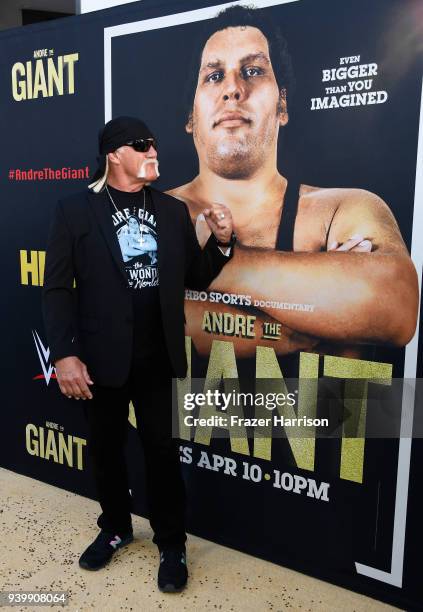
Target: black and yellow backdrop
346 510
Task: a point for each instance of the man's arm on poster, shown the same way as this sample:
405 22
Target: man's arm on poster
356 296
288 340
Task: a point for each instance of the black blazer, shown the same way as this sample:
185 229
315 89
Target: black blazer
94 320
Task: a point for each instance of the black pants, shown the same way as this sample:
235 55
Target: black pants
149 386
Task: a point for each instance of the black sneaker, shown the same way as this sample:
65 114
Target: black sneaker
173 573
99 553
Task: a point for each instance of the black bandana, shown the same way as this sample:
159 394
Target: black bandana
116 133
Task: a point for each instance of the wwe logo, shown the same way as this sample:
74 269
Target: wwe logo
43 355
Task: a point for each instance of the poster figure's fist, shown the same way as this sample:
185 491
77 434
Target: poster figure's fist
219 219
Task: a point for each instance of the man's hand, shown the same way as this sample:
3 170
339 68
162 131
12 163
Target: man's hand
219 219
73 378
357 243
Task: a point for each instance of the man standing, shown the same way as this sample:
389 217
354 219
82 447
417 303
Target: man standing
119 336
314 261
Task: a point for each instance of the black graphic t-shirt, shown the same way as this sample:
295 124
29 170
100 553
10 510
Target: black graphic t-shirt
136 231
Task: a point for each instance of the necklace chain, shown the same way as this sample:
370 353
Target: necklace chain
117 210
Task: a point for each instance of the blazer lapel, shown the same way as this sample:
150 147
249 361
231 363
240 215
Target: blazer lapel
162 230
100 204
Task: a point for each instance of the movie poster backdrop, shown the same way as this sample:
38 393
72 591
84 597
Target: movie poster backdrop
344 135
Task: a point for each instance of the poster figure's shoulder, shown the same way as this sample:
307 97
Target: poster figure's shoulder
318 201
181 193
348 210
329 199
187 194
173 203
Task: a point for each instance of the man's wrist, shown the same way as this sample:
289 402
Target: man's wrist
230 243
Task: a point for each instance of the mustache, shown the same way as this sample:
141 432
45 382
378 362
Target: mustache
144 165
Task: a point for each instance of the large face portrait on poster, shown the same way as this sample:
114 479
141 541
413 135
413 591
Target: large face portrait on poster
306 128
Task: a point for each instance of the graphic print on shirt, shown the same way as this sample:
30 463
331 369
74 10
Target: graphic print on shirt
138 242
